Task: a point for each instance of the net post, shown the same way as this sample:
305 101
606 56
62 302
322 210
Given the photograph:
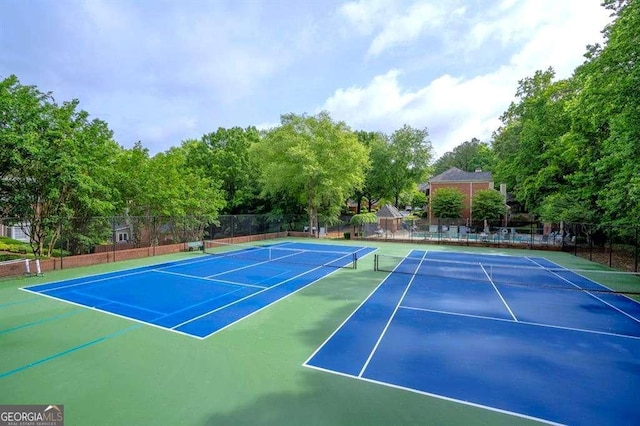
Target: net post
375 261
355 260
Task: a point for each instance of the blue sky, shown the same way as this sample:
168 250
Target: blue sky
165 71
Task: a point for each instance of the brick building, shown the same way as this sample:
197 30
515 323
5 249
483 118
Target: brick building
466 182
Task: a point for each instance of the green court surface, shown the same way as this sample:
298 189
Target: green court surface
108 370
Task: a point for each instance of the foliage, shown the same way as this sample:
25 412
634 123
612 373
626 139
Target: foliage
467 156
59 162
488 204
528 149
363 218
358 221
447 203
313 160
377 175
409 153
223 156
569 149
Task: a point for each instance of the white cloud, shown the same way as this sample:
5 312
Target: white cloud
456 108
366 15
406 27
545 32
393 26
453 109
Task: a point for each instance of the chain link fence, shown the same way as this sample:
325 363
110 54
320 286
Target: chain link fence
614 246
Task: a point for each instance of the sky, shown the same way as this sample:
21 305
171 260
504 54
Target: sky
161 72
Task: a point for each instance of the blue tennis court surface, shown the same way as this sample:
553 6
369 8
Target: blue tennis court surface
511 334
201 296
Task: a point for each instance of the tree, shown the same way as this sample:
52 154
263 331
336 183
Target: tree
447 203
606 117
467 156
57 166
377 175
358 221
409 154
314 160
530 156
162 188
223 156
488 204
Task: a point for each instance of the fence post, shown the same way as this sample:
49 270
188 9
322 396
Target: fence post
60 225
155 237
590 234
636 256
113 237
610 245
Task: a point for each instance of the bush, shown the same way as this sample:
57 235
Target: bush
7 257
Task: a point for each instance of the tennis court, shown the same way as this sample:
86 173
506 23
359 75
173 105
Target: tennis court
202 296
518 335
431 343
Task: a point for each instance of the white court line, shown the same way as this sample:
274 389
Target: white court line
348 318
111 302
91 281
111 313
435 395
499 294
591 280
136 271
375 347
460 314
208 279
589 293
255 294
120 273
283 297
534 324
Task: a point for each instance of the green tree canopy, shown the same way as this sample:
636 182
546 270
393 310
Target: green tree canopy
409 154
447 203
377 175
314 160
223 156
467 156
488 204
56 162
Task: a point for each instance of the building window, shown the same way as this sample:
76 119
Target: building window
19 234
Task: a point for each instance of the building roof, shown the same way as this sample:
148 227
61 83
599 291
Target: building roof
454 174
388 211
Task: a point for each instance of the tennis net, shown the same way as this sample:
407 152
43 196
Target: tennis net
591 280
266 253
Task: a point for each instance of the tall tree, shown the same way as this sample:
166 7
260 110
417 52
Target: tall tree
377 176
609 108
467 156
223 155
410 153
314 160
528 148
58 164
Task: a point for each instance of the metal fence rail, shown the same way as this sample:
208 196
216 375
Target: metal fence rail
614 246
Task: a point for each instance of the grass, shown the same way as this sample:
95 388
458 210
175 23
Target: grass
108 370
